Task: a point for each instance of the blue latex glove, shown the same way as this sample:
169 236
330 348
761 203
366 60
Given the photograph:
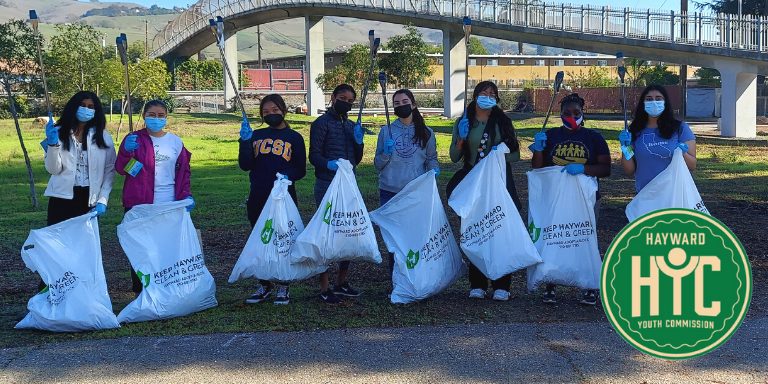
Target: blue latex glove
245 130
464 126
684 147
191 206
539 141
130 143
495 147
285 177
625 138
437 172
99 209
332 165
358 134
389 147
574 169
51 132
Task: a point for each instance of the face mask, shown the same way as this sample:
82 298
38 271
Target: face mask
654 108
485 102
342 107
154 124
403 111
571 123
274 120
85 114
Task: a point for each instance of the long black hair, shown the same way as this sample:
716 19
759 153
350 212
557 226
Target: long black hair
573 98
68 121
497 117
422 133
668 125
279 102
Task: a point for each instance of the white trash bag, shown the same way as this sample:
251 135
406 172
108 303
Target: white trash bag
68 257
415 228
162 245
672 188
340 230
266 255
561 222
493 235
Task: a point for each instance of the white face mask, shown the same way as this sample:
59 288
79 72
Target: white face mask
654 108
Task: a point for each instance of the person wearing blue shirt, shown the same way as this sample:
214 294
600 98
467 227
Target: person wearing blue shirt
653 136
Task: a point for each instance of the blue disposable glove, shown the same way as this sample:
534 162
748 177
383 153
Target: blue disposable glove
99 209
684 147
51 132
625 138
437 172
574 169
285 177
332 165
245 130
389 147
539 141
464 126
191 206
130 143
358 134
495 147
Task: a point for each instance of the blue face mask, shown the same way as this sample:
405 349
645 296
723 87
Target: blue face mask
154 124
84 114
654 108
485 102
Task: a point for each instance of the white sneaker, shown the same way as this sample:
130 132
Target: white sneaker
501 295
477 293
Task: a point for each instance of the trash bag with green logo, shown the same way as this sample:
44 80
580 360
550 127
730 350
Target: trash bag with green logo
68 257
266 255
672 188
415 228
561 223
162 245
340 230
493 235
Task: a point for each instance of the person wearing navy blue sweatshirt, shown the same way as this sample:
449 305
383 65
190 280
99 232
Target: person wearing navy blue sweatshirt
266 152
332 137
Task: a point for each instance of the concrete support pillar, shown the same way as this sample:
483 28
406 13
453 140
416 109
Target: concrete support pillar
315 54
454 72
230 52
738 100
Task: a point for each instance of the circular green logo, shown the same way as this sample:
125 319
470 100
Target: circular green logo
676 283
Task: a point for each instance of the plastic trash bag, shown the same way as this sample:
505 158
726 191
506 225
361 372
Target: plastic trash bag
672 188
266 255
493 235
162 245
341 229
415 228
68 257
561 222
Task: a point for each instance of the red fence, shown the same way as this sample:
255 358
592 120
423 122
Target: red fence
275 79
600 100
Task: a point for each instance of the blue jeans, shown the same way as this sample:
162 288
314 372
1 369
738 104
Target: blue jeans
384 197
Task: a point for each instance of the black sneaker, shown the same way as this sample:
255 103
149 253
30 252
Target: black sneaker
549 297
329 297
344 289
260 295
590 298
283 296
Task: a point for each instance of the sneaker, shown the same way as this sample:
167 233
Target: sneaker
344 289
283 296
590 298
548 297
477 293
260 295
329 297
500 295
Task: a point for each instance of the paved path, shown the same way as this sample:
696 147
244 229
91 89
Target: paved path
483 353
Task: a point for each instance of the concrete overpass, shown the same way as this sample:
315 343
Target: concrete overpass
737 48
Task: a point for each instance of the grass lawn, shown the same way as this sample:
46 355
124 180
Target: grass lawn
732 178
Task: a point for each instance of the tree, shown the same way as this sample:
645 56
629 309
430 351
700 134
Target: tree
476 47
708 76
353 70
203 75
135 51
111 81
748 7
660 75
596 77
149 80
18 57
408 64
74 59
636 69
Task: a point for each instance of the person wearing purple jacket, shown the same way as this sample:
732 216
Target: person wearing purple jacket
155 164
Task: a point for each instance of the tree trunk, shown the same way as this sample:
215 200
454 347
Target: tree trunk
21 141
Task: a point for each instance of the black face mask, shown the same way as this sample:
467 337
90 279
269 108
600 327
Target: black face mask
403 111
342 107
274 120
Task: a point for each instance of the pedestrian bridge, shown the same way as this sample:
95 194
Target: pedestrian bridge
736 47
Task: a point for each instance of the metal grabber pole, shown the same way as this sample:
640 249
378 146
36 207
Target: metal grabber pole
217 27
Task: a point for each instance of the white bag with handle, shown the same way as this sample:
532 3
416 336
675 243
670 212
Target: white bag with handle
162 245
672 188
266 255
415 228
68 257
341 229
561 222
493 235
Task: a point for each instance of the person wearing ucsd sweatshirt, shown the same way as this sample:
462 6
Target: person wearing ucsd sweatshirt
405 150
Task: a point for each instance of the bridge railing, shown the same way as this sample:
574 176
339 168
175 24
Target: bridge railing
748 33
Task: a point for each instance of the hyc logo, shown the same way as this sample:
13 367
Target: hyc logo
534 232
267 232
143 278
676 283
412 259
327 213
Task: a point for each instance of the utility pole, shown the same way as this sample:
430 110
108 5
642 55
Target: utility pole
684 67
146 39
258 42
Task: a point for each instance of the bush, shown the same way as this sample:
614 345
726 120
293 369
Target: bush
508 99
20 102
429 100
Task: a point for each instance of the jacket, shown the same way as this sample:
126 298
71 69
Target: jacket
141 188
408 160
331 137
61 163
